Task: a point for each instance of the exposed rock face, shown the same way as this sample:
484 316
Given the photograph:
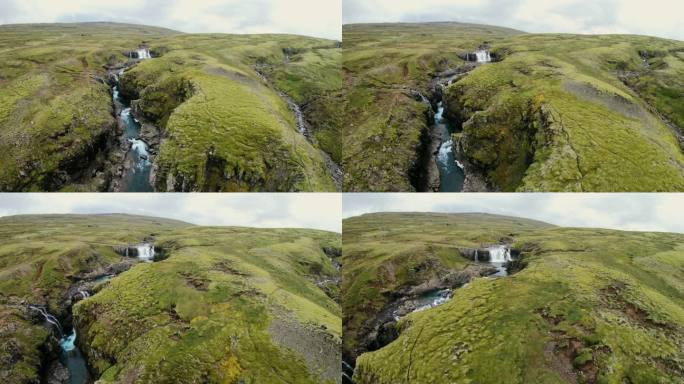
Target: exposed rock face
126 250
57 373
318 348
475 254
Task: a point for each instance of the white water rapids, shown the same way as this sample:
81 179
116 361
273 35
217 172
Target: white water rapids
143 53
483 56
145 252
499 254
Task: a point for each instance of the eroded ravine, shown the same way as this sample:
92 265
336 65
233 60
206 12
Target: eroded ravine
493 261
137 168
440 169
70 366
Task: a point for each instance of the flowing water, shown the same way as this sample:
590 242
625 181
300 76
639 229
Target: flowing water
73 360
499 256
432 299
143 53
103 278
483 56
70 356
145 252
137 176
451 175
347 373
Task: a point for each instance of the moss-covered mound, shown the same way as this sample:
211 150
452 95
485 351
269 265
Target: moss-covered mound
223 126
590 306
575 113
553 112
223 305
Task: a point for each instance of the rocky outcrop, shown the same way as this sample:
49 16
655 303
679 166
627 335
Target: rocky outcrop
423 172
57 373
475 254
126 250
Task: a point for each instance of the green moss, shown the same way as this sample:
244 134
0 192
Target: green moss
587 299
203 92
224 306
558 113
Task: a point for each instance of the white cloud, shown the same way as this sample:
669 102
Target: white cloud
664 18
625 211
292 210
321 18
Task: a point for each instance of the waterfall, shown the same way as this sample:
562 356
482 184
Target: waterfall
499 254
146 252
67 343
483 56
84 294
49 318
143 53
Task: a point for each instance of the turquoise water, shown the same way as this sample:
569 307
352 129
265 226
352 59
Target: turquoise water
451 174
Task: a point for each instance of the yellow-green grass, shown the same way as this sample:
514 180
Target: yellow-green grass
205 94
52 111
383 123
592 305
56 118
38 257
553 115
596 134
212 310
384 253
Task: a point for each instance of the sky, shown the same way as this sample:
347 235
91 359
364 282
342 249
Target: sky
291 210
662 212
319 18
662 18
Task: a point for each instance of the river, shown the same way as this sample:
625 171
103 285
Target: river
138 168
451 175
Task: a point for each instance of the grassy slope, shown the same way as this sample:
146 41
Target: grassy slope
592 304
602 135
38 256
312 78
250 128
383 122
383 252
51 110
598 135
223 300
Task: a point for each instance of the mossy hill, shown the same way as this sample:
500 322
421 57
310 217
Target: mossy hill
588 305
221 126
553 112
222 305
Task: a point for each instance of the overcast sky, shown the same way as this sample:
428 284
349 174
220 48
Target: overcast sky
291 210
664 18
320 18
641 212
